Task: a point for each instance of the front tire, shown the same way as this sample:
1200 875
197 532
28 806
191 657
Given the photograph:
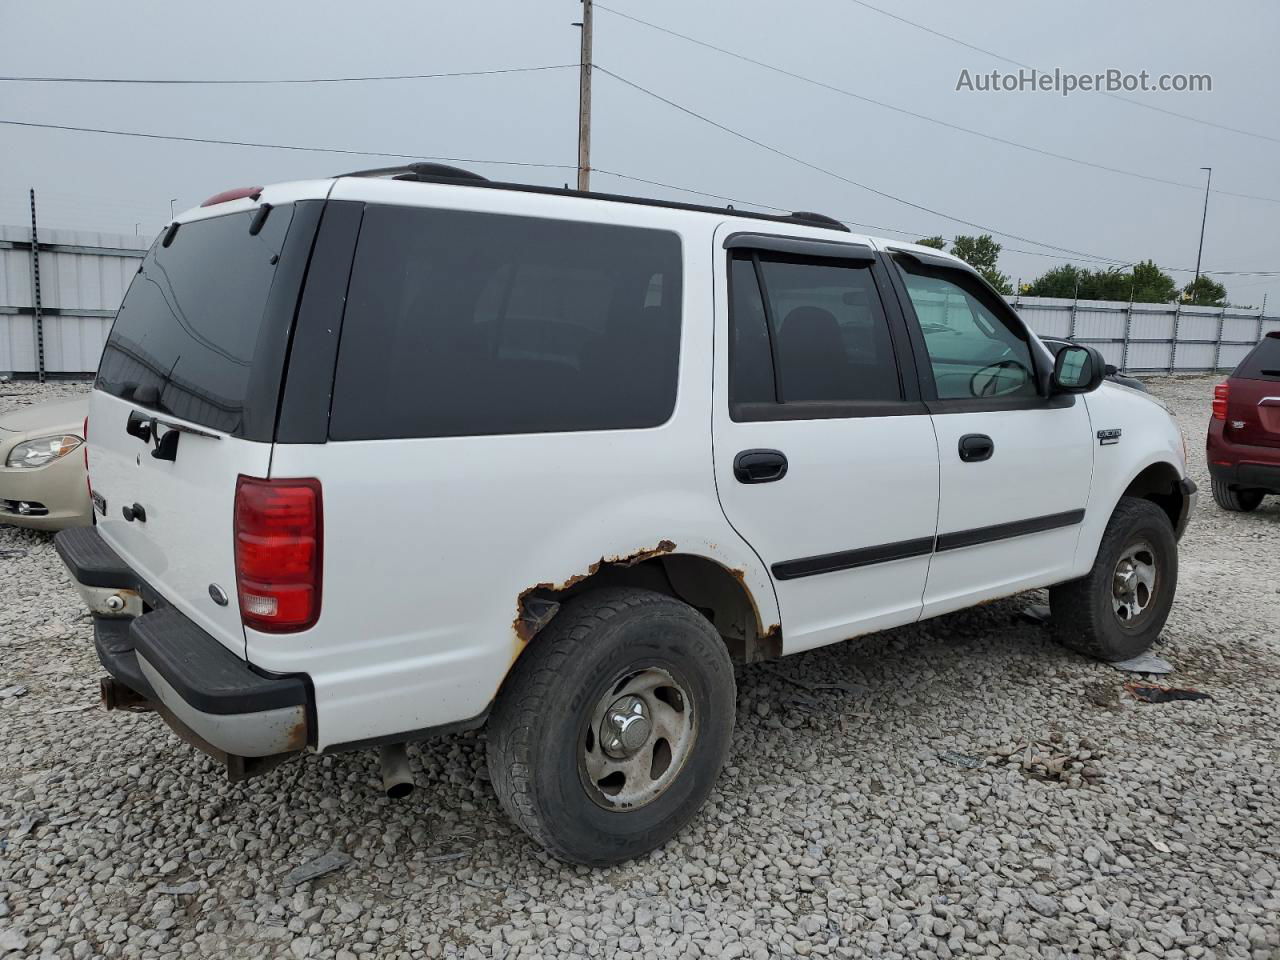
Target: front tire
613 726
1234 500
1116 611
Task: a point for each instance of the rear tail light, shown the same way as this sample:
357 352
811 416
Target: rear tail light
1220 395
279 540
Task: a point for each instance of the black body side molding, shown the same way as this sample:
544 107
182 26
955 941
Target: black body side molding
1005 531
849 559
905 549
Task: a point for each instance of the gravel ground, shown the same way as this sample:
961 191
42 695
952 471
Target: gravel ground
974 790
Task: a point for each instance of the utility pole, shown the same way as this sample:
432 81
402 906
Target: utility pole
1195 285
584 101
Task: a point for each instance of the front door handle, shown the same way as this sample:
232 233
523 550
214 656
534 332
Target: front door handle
760 466
976 447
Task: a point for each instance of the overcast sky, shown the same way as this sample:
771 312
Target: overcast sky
98 182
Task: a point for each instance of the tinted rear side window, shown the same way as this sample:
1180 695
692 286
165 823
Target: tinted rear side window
1263 363
805 331
189 324
470 324
751 377
830 333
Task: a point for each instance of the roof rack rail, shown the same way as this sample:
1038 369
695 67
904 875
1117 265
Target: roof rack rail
431 172
821 218
445 174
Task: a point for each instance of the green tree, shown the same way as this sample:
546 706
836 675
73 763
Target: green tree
1061 281
1147 283
1152 285
1204 292
983 254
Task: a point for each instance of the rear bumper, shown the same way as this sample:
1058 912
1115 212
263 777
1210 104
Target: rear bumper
1249 476
203 690
1242 465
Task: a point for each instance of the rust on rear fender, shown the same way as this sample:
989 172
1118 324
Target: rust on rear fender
768 646
533 612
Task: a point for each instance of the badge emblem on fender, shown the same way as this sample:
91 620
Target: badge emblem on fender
1108 437
218 594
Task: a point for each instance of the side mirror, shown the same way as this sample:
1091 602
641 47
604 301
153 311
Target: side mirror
1078 369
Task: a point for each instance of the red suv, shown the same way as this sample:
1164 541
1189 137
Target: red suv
1244 434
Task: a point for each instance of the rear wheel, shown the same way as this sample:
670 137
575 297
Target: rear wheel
1237 501
613 726
1117 610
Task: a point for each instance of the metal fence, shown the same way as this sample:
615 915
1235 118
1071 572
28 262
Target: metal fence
81 279
1151 337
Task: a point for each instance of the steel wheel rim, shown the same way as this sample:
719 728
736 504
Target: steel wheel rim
1134 583
638 738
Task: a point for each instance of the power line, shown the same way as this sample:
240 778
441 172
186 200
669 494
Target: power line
925 117
290 80
753 203
847 221
1027 66
916 233
280 146
566 166
831 173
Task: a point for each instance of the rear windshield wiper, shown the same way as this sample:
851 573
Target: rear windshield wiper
143 425
164 444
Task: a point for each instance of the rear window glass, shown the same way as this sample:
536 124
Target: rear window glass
468 324
189 323
1263 363
830 333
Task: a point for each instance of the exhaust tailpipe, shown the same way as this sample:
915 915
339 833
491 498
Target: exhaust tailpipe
397 780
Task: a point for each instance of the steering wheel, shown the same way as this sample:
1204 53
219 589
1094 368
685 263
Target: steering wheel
986 381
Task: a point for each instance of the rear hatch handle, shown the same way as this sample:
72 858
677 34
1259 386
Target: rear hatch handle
164 443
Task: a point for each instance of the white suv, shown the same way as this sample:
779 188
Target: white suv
405 453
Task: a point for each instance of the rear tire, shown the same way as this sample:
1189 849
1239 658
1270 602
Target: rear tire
612 727
1117 610
1235 500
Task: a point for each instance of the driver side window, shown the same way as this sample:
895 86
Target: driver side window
972 352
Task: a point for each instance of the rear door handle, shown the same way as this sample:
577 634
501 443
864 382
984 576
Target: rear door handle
975 447
760 466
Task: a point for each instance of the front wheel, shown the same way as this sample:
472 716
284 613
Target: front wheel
1117 610
1236 501
613 726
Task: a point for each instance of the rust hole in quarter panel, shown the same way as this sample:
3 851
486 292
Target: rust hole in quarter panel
532 616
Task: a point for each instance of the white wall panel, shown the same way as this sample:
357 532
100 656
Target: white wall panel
1148 355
